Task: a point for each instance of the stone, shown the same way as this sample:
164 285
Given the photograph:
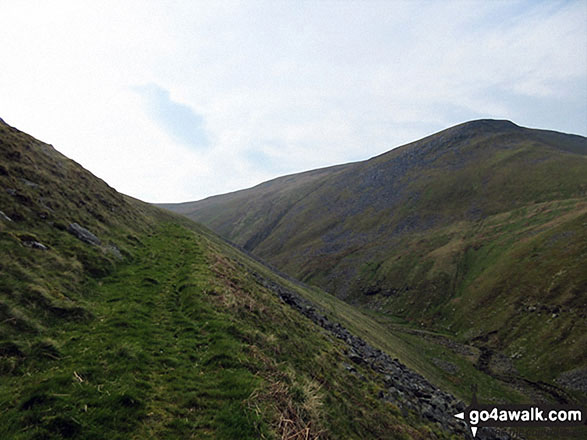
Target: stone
403 387
113 249
83 234
29 183
356 358
5 217
35 245
348 367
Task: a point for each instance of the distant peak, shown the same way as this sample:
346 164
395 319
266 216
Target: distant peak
488 125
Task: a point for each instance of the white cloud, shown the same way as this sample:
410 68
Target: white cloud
280 86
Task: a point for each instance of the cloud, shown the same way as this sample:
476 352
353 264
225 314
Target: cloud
179 120
234 93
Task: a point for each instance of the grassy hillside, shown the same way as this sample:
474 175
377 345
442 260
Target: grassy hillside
237 214
145 325
477 232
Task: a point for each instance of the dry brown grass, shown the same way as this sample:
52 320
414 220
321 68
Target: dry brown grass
288 423
291 419
229 291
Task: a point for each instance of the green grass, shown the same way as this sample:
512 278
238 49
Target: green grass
128 369
183 344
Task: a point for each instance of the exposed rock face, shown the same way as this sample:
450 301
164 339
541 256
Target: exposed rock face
83 234
404 387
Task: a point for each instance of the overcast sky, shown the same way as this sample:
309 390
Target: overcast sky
179 100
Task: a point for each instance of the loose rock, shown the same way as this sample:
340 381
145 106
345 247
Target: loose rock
405 388
35 245
5 217
83 234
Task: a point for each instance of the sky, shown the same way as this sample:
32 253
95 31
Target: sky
171 101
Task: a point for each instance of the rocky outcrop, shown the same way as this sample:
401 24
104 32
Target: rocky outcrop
83 234
403 387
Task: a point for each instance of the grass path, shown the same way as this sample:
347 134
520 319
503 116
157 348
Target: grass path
184 343
148 365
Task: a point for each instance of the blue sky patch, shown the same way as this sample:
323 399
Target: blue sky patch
180 121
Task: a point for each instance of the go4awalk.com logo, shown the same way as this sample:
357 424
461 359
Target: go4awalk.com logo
535 415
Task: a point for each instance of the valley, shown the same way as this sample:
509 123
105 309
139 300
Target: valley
122 320
468 246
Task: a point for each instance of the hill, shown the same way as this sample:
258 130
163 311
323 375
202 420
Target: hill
476 233
119 320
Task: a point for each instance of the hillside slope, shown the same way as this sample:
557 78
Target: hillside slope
274 198
477 232
121 321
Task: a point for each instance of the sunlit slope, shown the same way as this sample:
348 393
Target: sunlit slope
478 231
137 323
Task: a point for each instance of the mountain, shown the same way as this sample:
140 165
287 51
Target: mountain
119 320
476 233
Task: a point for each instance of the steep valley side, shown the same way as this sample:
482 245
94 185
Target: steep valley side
477 232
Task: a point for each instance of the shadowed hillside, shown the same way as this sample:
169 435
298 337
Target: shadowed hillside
478 232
